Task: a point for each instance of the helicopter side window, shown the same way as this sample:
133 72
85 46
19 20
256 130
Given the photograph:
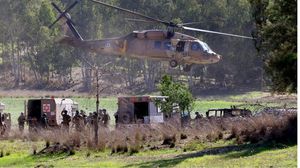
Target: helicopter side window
157 44
196 46
167 45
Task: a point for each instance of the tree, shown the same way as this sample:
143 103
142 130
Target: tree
178 94
277 30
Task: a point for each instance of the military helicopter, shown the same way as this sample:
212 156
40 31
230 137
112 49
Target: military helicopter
161 45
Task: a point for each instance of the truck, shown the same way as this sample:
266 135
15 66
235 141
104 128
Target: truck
139 110
226 113
52 107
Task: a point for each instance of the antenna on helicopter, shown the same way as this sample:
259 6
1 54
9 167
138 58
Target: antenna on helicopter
67 16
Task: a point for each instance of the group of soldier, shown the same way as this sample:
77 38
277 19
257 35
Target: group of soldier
79 121
33 124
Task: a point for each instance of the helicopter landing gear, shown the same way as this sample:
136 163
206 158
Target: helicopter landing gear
173 63
187 68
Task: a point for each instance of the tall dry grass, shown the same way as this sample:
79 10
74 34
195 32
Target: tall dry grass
133 138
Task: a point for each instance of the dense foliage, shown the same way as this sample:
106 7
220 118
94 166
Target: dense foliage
277 29
30 56
177 95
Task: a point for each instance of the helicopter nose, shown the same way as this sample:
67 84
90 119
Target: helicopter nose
216 58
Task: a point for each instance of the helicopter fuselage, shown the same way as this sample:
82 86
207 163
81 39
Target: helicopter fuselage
152 44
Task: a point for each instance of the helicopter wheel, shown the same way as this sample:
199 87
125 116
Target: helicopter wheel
187 68
173 63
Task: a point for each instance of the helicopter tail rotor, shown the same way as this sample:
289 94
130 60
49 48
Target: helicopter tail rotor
67 16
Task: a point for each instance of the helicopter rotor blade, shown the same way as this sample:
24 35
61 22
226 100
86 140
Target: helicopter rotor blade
215 32
139 20
56 7
74 30
67 16
63 13
189 23
131 12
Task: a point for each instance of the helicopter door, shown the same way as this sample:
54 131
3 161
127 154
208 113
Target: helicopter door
180 46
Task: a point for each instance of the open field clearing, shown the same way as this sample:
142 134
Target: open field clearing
256 142
20 155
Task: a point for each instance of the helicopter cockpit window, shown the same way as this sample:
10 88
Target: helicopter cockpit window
196 46
157 44
207 47
167 45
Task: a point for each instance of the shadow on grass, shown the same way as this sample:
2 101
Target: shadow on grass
242 151
257 149
53 157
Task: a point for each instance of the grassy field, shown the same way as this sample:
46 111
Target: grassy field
19 154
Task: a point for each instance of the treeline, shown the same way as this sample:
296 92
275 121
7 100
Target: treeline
31 57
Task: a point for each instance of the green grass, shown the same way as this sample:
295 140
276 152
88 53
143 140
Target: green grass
247 95
248 156
203 105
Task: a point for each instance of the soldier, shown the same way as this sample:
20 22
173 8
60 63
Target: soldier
2 126
66 120
105 118
21 122
77 120
198 116
116 115
89 120
100 116
44 120
207 114
84 117
95 118
33 124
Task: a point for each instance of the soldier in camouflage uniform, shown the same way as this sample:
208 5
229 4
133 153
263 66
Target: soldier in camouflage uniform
21 122
44 120
78 121
105 118
2 125
66 120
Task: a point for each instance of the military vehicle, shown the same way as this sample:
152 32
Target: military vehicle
162 45
139 110
52 107
232 112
